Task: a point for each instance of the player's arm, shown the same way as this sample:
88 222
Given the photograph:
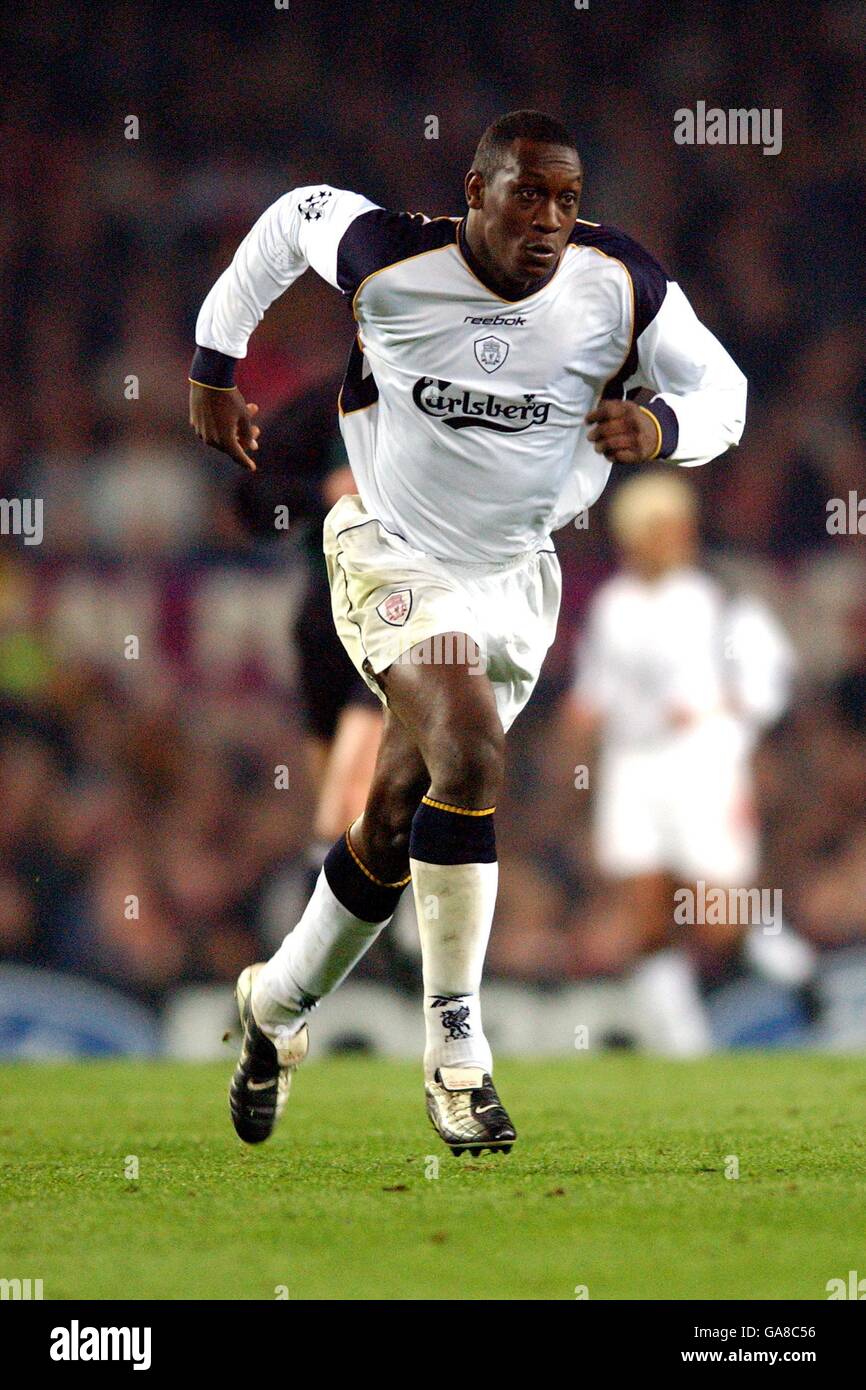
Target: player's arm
303 228
624 432
699 405
222 418
696 407
763 662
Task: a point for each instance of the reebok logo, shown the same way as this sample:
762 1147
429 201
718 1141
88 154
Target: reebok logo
496 321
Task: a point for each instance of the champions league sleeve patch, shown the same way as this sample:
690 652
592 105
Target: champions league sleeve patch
395 609
312 207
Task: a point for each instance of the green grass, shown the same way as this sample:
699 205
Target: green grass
617 1183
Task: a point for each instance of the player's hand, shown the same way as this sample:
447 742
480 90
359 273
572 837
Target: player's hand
225 421
622 432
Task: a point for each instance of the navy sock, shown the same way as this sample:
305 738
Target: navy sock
445 834
360 891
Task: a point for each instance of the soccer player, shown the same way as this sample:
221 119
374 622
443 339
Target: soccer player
484 403
677 678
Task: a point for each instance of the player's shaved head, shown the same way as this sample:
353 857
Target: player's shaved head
495 144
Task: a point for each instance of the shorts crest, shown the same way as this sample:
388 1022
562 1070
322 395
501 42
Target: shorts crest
395 609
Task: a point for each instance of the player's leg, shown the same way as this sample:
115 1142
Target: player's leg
362 877
316 753
339 769
349 907
449 709
342 718
664 983
631 849
348 770
721 849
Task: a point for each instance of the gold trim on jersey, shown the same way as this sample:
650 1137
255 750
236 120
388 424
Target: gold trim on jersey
402 261
502 300
633 318
655 421
358 409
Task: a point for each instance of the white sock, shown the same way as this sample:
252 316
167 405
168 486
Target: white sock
312 961
454 903
665 991
780 955
315 853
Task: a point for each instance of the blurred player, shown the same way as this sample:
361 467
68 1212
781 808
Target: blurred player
486 345
678 678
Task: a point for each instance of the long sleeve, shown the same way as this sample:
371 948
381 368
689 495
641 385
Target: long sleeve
762 660
302 228
701 393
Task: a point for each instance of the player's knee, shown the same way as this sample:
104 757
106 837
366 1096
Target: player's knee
386 849
387 825
468 765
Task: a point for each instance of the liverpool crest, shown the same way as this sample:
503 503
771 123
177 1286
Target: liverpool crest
490 353
396 608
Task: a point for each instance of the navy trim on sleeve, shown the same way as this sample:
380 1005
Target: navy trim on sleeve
379 238
357 391
212 368
650 282
668 424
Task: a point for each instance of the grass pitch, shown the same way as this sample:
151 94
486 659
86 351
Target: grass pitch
617 1183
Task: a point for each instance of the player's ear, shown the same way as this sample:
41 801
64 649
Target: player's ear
474 187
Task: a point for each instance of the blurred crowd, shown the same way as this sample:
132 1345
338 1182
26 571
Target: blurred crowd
144 838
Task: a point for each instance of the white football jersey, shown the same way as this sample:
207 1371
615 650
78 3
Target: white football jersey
462 412
651 650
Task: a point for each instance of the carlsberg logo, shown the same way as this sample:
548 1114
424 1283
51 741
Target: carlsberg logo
476 408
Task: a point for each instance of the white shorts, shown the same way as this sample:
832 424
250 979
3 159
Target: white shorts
683 807
387 597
